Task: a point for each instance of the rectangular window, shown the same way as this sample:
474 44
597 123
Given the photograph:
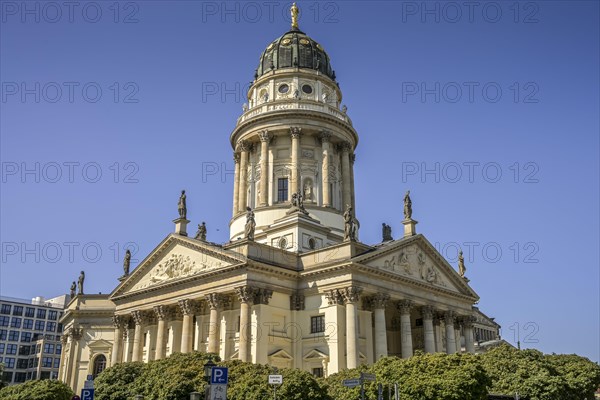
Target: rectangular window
58 348
18 310
282 190
30 363
41 313
39 325
51 326
4 320
11 349
7 377
3 333
26 337
15 322
2 348
9 362
29 312
317 372
48 348
22 363
53 315
317 324
13 336
24 350
20 377
36 362
46 362
56 363
27 324
5 309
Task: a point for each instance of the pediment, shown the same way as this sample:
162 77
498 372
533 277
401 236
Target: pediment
415 259
100 344
315 355
177 259
281 354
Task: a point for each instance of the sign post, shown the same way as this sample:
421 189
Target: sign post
219 378
275 380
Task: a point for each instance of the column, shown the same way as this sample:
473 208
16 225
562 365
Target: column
63 359
429 336
129 344
439 342
246 296
450 339
325 168
405 328
379 302
242 184
351 296
468 328
161 332
138 336
236 183
187 332
352 191
295 183
73 370
346 191
264 168
262 319
119 323
457 336
214 301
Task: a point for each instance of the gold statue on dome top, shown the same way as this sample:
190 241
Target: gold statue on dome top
295 12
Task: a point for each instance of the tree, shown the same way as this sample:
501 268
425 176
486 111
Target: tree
581 375
116 383
39 390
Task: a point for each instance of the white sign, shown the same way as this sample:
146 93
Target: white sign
275 379
218 392
88 384
351 382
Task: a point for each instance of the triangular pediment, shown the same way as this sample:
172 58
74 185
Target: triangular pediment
177 258
415 259
100 344
315 355
281 354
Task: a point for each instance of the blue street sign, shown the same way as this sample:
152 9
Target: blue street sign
218 376
87 394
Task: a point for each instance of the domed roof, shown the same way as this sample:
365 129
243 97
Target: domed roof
294 49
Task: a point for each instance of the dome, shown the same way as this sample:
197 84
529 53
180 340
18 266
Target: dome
294 49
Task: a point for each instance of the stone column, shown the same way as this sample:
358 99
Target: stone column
450 339
351 296
264 168
325 168
138 336
119 323
187 331
469 340
346 185
242 187
246 296
457 336
405 328
161 332
215 302
352 191
429 336
236 184
72 369
295 183
379 302
439 342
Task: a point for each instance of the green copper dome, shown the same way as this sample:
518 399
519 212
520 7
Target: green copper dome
294 49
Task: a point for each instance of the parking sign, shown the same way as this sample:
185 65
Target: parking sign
87 394
218 376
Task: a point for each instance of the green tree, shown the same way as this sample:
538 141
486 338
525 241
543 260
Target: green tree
39 390
581 375
116 383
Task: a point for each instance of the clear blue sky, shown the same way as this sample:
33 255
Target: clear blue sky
472 90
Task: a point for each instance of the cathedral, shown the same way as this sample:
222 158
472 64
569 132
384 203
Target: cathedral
294 287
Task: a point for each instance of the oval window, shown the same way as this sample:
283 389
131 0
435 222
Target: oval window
307 89
312 243
284 88
283 243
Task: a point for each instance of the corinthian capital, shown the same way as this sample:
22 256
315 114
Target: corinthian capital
334 297
427 312
262 296
188 306
380 300
243 145
449 317
405 306
325 136
120 321
215 301
245 293
352 294
295 132
264 136
236 157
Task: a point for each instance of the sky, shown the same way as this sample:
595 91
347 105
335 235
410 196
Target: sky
488 112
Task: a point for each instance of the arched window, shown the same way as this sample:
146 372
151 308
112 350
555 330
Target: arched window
99 365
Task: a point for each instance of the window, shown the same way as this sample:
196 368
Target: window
5 309
20 377
18 310
46 362
99 365
3 333
45 375
15 322
7 377
9 362
48 348
24 350
27 324
4 321
11 349
51 326
56 363
283 88
26 337
52 315
38 347
22 363
39 325
41 313
13 336
30 312
307 89
58 348
2 348
419 322
282 189
30 363
317 324
317 372
36 362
